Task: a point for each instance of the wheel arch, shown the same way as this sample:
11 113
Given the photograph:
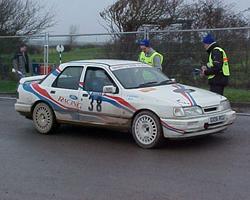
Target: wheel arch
141 110
41 101
158 140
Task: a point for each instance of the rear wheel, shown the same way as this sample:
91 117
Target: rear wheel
44 119
147 130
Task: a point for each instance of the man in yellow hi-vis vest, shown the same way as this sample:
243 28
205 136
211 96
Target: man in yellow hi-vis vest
149 56
217 69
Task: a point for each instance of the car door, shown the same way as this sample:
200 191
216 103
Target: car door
97 107
65 91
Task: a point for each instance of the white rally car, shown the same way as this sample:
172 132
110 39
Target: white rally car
126 95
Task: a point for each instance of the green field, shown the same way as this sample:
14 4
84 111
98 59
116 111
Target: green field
70 55
237 95
74 54
8 86
234 95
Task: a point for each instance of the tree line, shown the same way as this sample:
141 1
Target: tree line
182 50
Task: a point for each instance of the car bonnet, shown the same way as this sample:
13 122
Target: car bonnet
182 95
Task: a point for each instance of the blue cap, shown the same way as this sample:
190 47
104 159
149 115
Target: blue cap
208 39
144 42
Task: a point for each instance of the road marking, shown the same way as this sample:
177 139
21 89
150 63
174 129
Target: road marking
243 114
8 98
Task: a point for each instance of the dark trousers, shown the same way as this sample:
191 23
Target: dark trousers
219 89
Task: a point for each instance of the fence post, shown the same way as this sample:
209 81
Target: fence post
46 53
247 49
146 32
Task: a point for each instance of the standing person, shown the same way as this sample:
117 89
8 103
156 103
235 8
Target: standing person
217 69
149 56
20 62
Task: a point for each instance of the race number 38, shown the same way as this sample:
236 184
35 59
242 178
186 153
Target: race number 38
98 103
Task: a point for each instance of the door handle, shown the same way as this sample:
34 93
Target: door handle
52 92
85 95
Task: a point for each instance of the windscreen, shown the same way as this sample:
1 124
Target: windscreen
138 77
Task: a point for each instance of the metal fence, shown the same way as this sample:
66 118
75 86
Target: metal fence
182 50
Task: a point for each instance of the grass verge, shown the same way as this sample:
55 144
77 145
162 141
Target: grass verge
8 86
237 95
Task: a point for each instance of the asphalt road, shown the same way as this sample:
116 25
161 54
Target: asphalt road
81 163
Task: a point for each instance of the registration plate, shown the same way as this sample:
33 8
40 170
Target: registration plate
217 119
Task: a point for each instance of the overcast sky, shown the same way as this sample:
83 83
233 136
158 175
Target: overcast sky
85 14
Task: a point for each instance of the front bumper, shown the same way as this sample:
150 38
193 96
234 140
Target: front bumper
185 128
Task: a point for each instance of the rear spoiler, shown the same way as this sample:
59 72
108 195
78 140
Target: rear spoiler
31 79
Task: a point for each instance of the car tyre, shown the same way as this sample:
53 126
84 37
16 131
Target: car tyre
44 119
147 130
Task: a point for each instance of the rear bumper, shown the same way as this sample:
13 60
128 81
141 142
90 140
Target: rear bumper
186 128
23 109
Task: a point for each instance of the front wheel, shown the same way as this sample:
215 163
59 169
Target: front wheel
44 119
147 130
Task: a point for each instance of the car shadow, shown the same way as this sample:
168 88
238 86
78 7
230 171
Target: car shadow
93 133
125 138
210 141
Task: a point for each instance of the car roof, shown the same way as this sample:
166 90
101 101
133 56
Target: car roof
109 62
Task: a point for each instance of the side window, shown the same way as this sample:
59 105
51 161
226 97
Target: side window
96 79
69 78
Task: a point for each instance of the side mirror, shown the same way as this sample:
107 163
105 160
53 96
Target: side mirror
109 89
173 80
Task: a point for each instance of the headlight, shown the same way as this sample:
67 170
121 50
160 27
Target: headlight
188 111
225 105
193 111
179 112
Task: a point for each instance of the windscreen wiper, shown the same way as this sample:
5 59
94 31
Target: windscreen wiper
148 83
168 81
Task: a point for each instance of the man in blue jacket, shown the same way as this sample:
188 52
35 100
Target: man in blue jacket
149 56
217 68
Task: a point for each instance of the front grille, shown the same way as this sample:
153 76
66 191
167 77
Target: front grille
210 109
215 124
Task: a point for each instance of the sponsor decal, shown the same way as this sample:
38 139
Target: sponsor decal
56 72
42 94
69 102
183 102
132 97
147 89
73 97
118 102
117 67
186 93
167 126
81 84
